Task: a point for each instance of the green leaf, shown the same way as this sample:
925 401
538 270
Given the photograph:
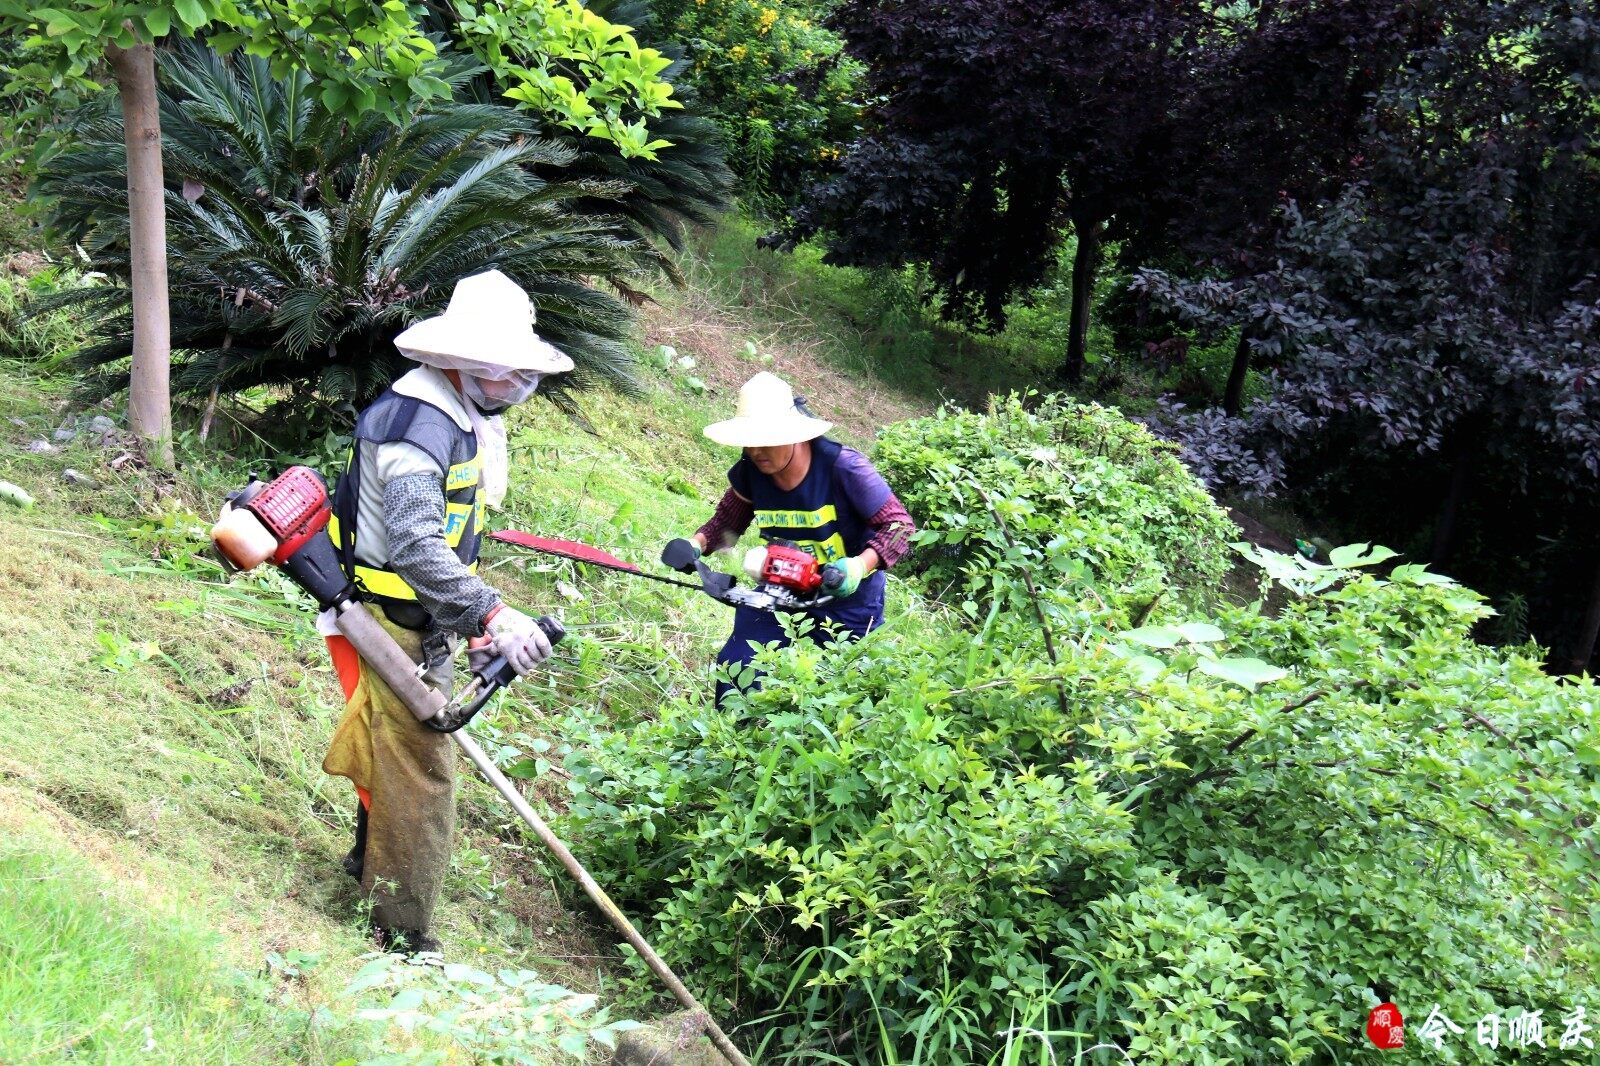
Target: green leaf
190 13
1146 667
334 96
407 999
1418 574
1363 554
523 769
462 973
158 20
1200 632
1248 672
1153 636
56 22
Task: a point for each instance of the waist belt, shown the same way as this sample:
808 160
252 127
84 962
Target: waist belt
407 614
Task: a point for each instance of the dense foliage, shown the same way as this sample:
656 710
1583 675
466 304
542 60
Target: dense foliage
996 125
776 81
1438 321
691 184
569 64
1198 841
1076 478
301 243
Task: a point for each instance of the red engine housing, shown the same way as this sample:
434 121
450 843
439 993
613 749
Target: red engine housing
792 568
294 508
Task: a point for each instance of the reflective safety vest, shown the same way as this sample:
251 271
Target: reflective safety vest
809 514
391 418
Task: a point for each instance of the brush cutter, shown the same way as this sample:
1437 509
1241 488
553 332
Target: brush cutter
285 522
787 578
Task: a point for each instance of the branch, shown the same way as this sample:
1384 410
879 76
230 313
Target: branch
1033 596
1149 609
1306 700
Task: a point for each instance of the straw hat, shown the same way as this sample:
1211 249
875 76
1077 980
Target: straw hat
487 327
766 416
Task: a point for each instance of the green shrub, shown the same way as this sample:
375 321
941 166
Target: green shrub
428 1010
300 244
1202 842
33 332
776 81
1077 482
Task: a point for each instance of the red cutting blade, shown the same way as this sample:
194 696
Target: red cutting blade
567 549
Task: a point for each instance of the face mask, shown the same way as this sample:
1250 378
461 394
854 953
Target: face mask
493 395
493 447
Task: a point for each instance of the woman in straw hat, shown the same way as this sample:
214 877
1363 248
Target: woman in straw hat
796 485
428 456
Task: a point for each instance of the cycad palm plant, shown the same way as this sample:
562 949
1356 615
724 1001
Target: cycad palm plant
299 245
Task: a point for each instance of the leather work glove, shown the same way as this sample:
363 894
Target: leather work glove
519 639
680 554
841 579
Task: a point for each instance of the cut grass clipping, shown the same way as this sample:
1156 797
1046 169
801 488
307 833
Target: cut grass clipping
88 974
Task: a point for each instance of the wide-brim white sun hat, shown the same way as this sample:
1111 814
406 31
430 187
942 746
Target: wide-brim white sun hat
487 327
766 417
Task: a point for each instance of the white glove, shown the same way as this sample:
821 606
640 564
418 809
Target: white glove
519 639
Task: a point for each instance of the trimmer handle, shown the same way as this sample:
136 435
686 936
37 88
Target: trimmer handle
680 554
485 683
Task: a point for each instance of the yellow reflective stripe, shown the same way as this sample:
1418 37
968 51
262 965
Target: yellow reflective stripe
826 551
384 583
463 474
455 521
388 583
798 519
478 514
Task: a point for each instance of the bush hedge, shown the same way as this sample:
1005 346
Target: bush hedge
1017 817
1076 483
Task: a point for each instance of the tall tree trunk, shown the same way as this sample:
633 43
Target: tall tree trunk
1084 264
1444 533
149 397
1233 395
1583 650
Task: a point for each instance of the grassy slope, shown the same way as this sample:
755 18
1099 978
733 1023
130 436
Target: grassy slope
165 833
198 825
860 346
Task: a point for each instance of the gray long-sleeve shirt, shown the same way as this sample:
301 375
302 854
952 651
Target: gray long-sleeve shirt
400 513
413 523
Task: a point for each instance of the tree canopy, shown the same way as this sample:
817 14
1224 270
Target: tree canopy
1001 129
1438 314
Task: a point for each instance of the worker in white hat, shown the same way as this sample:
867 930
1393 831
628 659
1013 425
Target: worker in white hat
798 486
428 456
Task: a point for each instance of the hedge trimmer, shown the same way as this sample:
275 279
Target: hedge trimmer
786 578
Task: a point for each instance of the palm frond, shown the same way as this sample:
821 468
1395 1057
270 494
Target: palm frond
307 242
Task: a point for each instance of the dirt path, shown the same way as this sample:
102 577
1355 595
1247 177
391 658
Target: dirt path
715 337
